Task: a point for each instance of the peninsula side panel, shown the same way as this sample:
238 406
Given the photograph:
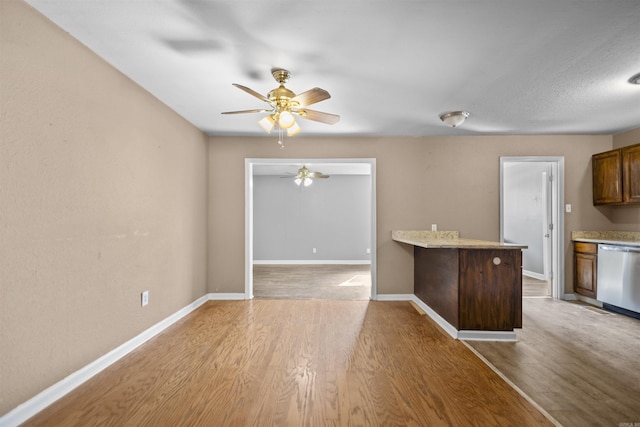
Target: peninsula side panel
436 281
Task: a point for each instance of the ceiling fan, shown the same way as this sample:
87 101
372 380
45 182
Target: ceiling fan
284 104
305 176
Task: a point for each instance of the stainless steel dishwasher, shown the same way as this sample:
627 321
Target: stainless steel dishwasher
619 277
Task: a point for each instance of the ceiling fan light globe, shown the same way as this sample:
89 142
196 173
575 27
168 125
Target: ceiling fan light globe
286 120
267 123
308 182
298 181
294 129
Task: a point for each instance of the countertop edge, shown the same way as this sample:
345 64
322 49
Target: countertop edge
607 241
458 243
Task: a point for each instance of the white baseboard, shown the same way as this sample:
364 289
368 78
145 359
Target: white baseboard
505 336
508 336
226 297
58 390
311 261
448 328
394 297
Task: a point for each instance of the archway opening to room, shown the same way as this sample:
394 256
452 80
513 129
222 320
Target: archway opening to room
313 241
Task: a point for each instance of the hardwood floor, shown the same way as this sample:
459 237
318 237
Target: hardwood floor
578 362
325 361
299 363
316 281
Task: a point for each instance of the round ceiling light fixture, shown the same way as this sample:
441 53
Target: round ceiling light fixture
454 118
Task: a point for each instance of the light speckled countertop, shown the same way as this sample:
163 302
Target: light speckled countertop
627 238
446 239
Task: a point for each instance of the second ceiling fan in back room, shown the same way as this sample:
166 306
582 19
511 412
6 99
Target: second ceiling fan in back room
305 177
284 105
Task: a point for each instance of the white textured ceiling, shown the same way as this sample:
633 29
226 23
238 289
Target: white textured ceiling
519 67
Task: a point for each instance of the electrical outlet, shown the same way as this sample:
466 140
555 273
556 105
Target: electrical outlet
145 298
314 250
368 250
567 208
434 227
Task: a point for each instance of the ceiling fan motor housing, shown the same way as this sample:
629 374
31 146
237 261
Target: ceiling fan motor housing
281 97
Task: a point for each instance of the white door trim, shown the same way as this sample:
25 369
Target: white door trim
557 216
250 163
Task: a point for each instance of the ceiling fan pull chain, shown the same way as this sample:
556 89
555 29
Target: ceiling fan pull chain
280 137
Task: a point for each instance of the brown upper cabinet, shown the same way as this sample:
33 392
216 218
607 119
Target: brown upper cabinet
616 176
631 174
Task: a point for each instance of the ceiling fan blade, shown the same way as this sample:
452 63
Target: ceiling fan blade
318 175
311 97
247 111
319 116
252 92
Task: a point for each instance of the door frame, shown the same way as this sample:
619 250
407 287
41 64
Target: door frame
251 162
557 216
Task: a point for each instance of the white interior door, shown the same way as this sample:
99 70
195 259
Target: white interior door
551 223
547 221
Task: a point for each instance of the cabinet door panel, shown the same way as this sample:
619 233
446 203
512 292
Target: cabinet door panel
490 289
607 178
631 173
585 275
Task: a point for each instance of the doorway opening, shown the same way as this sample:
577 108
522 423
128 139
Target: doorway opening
531 213
298 236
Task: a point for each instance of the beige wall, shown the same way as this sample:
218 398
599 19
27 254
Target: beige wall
102 196
452 182
626 138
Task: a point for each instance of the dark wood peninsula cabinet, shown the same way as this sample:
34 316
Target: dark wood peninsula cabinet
616 176
585 264
471 288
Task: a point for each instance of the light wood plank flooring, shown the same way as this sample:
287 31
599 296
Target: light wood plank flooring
316 281
578 362
297 363
534 288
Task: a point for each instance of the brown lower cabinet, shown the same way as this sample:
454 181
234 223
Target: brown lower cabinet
585 268
472 289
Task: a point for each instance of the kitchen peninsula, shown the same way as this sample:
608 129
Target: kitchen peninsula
471 288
